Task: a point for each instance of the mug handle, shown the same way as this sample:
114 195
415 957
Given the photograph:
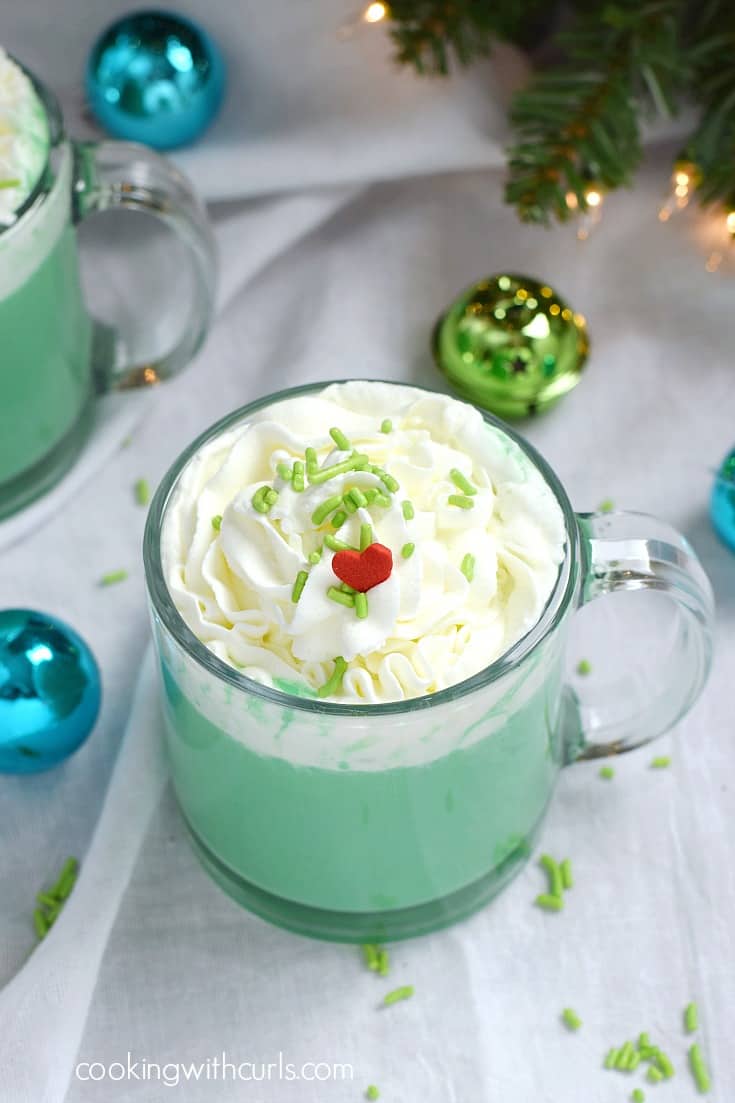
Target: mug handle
634 551
109 175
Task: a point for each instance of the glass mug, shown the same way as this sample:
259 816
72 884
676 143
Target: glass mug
362 823
53 357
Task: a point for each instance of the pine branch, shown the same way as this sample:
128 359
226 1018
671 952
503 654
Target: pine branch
578 123
712 145
429 34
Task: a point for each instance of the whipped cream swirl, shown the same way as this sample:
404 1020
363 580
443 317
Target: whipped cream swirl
24 138
433 622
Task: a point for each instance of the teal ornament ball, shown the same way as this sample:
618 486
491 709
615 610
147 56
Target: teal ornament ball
511 344
155 77
722 502
49 691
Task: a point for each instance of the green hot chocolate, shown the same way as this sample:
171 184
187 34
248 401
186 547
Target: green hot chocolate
45 332
362 553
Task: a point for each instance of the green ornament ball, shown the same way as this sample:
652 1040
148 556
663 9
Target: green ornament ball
511 345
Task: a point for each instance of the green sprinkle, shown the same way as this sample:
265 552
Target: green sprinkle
403 993
298 476
53 901
340 439
654 1075
361 606
12 183
370 954
607 773
41 923
334 544
549 903
467 567
460 500
386 425
699 1069
314 557
611 1059
339 519
366 536
340 597
217 522
565 869
407 550
571 1018
691 1018
408 511
661 762
67 879
624 1055
462 482
556 886
298 586
584 667
142 492
387 480
664 1064
371 1092
311 460
607 505
333 684
357 497
321 512
259 500
323 474
284 471
638 1095
113 577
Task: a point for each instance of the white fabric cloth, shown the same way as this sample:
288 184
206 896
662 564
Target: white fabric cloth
304 106
151 958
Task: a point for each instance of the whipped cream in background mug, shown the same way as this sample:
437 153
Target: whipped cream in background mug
24 138
428 625
374 760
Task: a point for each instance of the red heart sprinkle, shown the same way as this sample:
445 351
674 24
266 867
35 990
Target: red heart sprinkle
365 569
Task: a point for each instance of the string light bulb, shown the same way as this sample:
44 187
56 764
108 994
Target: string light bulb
716 257
375 12
684 180
593 199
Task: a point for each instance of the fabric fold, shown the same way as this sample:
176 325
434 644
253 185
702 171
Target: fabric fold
56 985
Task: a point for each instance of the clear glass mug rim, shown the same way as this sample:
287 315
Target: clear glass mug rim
56 135
175 625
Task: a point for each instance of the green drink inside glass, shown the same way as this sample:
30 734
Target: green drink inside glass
377 777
